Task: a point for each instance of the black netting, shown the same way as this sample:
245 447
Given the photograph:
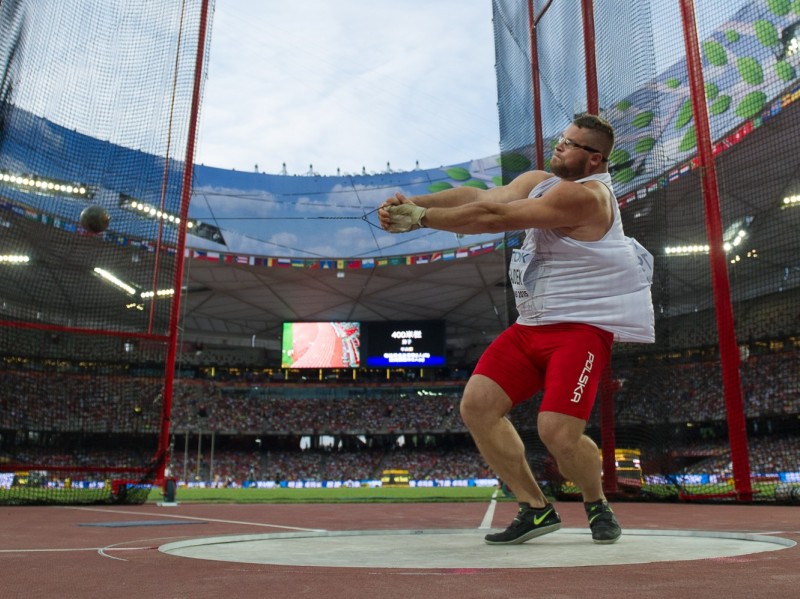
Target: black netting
695 407
95 103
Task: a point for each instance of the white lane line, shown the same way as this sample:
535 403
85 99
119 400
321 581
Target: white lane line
489 515
74 549
172 516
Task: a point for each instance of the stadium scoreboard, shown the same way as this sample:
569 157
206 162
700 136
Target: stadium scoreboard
387 344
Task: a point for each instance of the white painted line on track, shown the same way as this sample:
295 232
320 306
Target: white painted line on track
73 549
172 515
489 515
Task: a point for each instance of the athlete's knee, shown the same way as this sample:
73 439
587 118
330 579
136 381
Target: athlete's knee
474 410
559 433
483 402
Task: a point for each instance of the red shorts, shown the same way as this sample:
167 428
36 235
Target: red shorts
566 360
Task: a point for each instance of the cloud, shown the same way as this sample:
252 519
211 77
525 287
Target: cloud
336 86
285 240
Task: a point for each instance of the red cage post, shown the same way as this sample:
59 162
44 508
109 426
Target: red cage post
729 351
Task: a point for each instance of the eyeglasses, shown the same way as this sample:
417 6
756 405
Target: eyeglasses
574 144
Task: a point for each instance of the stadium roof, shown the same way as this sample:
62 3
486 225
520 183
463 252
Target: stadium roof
236 299
275 248
230 300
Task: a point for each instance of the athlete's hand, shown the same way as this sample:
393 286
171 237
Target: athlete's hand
383 215
397 199
404 218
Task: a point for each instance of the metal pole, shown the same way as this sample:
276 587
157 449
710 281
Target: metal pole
608 437
728 348
538 136
186 194
199 445
211 461
607 433
592 95
186 455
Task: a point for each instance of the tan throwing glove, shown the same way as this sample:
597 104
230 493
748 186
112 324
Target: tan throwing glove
405 217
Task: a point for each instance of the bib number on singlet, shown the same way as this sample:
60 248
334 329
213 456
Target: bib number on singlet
516 272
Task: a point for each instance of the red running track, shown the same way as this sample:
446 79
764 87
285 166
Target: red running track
48 552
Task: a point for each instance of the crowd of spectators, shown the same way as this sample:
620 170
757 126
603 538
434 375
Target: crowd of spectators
770 386
35 405
235 467
767 317
767 456
654 393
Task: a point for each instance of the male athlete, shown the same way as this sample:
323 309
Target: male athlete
579 284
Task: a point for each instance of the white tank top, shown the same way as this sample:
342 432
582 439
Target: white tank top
605 283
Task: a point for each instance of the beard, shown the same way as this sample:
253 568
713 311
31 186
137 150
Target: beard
562 171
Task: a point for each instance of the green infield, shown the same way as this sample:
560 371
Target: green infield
328 495
763 492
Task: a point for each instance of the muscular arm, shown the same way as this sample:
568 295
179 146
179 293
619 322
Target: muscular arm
571 207
519 188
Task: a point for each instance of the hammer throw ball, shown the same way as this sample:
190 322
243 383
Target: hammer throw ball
95 219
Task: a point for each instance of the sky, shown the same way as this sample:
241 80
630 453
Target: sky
349 85
341 86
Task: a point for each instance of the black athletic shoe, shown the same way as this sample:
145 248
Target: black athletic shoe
605 528
529 523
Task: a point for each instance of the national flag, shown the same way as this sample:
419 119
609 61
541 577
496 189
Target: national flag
397 261
383 261
242 260
298 263
283 262
436 256
368 263
340 264
327 264
423 259
462 252
354 264
448 255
